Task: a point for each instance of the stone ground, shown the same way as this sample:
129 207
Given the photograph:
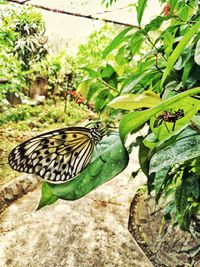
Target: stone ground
92 231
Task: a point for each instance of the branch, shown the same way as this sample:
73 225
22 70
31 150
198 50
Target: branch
55 10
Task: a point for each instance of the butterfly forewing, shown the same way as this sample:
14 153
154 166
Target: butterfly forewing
57 156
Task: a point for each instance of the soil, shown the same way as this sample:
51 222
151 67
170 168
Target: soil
164 245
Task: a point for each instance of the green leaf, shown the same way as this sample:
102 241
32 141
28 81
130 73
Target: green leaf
186 71
134 120
193 188
116 41
159 181
179 48
102 99
107 71
197 53
83 87
181 197
47 197
140 9
135 101
190 107
179 151
92 73
136 41
133 81
168 40
112 159
155 24
92 91
144 158
172 5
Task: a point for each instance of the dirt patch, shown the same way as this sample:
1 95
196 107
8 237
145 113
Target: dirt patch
165 245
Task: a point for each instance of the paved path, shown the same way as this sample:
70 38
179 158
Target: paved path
91 231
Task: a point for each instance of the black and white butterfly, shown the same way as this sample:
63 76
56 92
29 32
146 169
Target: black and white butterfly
59 155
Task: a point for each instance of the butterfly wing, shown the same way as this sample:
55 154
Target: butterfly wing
57 156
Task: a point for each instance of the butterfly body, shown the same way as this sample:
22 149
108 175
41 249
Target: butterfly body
59 155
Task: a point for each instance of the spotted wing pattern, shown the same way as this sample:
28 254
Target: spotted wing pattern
57 156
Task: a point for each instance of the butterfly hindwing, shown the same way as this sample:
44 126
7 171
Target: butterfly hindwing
57 156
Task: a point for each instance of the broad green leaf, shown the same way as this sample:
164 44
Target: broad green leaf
179 151
178 50
155 24
141 4
112 158
135 101
116 41
47 197
190 107
197 53
136 119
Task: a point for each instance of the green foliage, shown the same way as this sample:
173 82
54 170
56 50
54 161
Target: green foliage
90 53
22 49
61 73
44 115
23 29
153 76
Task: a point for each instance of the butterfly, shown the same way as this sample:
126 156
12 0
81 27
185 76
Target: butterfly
59 155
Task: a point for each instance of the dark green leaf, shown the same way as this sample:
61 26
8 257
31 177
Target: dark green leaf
169 210
155 24
112 159
144 158
107 71
160 179
102 99
181 197
187 69
48 197
180 151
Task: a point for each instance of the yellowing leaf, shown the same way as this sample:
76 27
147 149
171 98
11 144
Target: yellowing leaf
83 87
135 101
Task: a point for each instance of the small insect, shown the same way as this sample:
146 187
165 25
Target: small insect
168 116
59 155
